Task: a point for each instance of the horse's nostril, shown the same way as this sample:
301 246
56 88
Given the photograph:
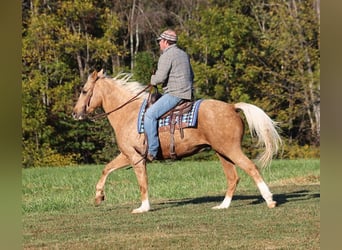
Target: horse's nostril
74 115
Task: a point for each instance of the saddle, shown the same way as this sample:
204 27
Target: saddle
175 115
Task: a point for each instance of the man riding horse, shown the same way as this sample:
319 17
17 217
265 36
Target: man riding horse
175 73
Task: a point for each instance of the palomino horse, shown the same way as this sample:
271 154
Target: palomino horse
219 126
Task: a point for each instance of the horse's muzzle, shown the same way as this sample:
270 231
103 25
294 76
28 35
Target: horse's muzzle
79 112
78 116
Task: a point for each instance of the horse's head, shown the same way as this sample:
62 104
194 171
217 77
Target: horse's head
88 99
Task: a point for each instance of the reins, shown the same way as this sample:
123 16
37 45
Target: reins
121 106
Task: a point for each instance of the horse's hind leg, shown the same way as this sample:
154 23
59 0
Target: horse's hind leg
232 181
240 159
120 161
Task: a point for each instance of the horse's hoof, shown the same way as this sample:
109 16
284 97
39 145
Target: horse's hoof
142 209
225 203
98 200
219 207
145 207
272 204
139 211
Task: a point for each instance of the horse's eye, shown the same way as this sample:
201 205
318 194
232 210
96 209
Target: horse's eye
84 92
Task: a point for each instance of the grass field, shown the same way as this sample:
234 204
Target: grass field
58 210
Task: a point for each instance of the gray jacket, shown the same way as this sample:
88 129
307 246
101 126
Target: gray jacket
175 73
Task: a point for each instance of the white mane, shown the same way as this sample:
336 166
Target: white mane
123 79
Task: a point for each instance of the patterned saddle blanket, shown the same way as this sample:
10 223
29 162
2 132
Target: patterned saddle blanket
187 120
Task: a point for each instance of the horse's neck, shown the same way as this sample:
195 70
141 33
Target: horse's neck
113 95
116 97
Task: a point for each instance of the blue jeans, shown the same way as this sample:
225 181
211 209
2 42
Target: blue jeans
160 107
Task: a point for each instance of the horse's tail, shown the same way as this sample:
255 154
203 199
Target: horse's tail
264 128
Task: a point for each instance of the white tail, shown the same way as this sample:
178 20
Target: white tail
264 128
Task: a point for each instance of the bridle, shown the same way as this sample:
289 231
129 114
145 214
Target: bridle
98 116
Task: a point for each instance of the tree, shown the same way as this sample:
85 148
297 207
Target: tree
263 52
54 35
42 70
219 42
289 56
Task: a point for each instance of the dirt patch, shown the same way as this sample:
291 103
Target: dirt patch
302 180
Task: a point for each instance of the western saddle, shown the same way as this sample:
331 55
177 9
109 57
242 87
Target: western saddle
175 115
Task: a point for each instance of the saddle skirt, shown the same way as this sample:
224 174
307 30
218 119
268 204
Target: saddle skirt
188 119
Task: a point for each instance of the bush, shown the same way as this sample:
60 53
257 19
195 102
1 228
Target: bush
47 157
295 151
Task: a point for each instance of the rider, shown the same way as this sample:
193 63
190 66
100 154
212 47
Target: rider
174 71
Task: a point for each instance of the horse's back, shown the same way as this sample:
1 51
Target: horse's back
217 110
220 118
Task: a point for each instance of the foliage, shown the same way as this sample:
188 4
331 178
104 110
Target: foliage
57 42
219 45
262 52
144 63
295 151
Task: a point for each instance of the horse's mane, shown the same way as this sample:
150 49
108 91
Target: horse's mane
124 80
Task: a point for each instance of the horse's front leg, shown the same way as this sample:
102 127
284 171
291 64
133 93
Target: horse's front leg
141 174
120 161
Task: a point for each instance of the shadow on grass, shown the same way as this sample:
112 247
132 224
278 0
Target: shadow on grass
281 198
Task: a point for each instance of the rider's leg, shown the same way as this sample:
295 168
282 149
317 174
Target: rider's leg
160 107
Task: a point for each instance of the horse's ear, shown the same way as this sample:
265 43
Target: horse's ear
101 74
94 75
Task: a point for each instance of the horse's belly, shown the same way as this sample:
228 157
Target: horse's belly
190 144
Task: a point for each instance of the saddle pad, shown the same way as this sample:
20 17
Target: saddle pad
188 119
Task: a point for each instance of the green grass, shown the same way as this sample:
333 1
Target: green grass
58 210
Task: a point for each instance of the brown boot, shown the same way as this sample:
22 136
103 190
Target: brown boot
150 157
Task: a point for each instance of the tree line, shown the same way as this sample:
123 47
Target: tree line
263 52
